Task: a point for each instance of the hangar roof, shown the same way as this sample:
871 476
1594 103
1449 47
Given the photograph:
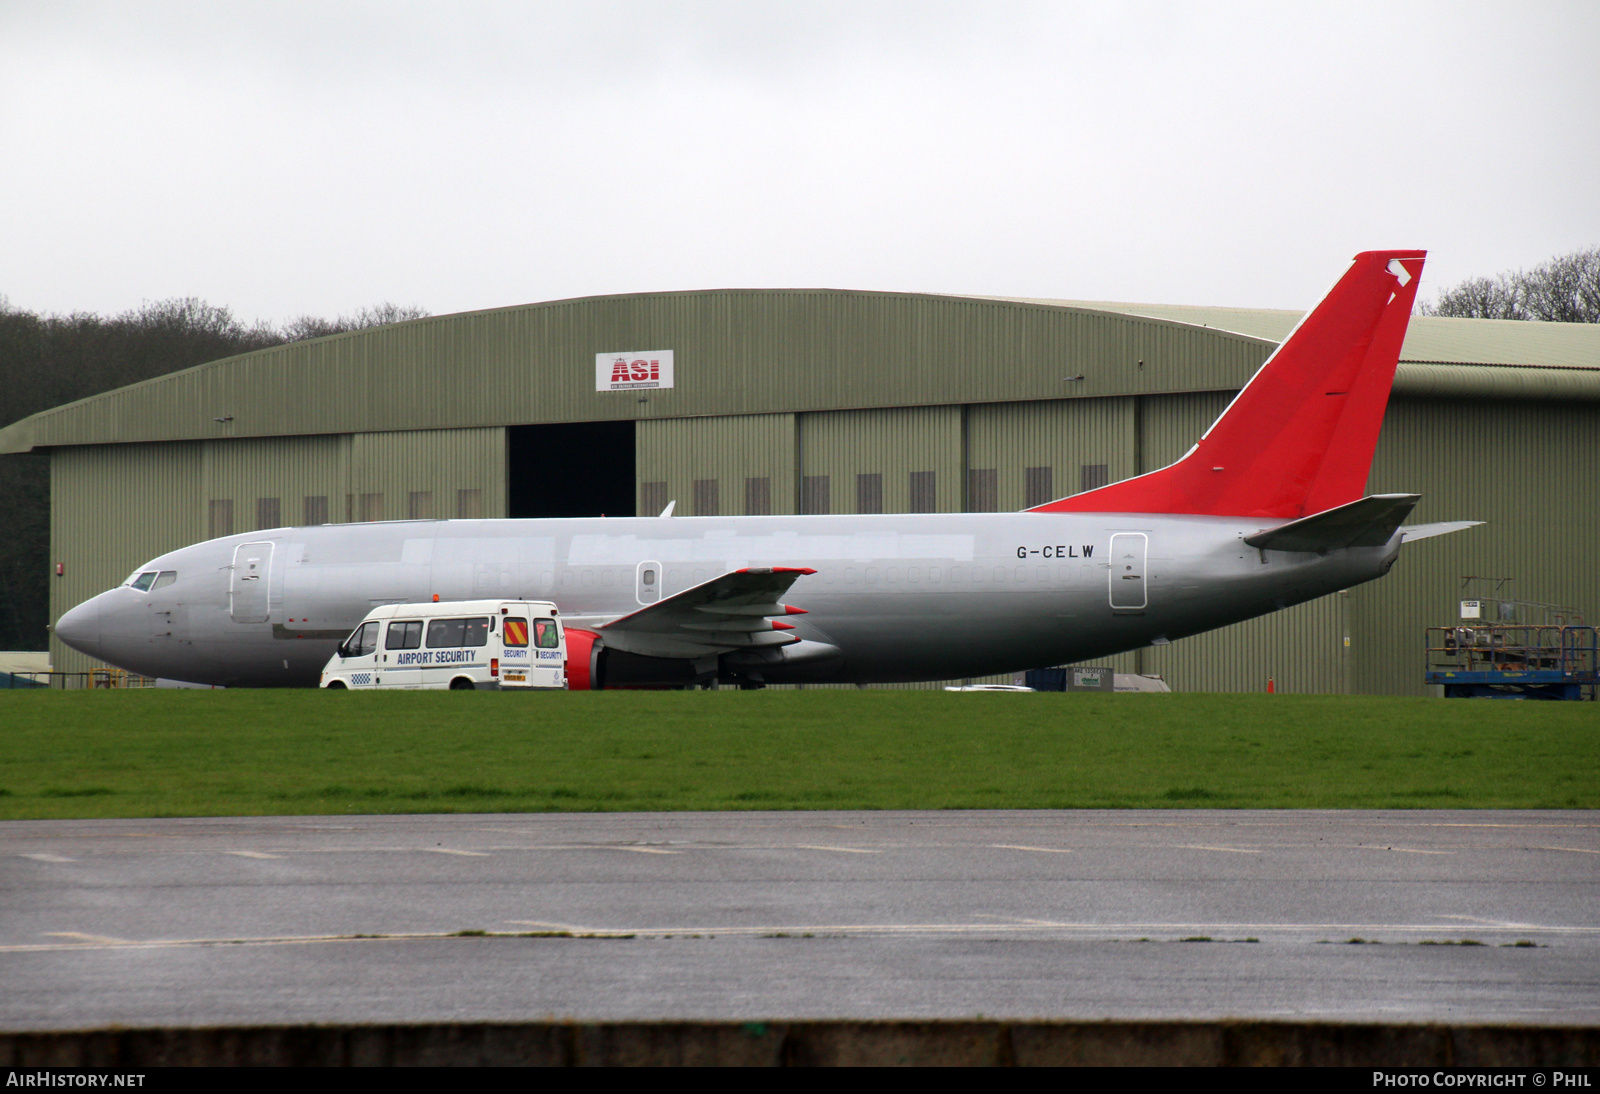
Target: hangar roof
749 351
1430 339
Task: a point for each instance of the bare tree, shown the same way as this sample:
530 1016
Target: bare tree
311 326
1564 290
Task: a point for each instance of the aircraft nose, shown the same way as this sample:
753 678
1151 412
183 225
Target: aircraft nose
80 627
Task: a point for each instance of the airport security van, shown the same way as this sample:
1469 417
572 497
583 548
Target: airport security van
484 644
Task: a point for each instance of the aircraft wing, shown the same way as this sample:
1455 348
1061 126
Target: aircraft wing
1369 522
727 613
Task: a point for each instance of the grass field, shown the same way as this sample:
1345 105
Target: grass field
210 753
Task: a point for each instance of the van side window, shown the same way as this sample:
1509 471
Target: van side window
515 632
546 634
458 632
404 636
445 632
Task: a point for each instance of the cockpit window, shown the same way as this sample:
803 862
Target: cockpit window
165 578
144 581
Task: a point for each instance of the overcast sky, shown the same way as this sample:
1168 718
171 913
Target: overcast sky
311 158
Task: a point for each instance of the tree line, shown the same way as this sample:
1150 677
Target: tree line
1564 290
48 360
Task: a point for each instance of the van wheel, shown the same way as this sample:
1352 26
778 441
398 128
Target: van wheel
337 685
458 684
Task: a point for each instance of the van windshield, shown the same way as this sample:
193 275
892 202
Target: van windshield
362 642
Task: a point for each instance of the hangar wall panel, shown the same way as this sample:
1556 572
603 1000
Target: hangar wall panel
673 454
250 474
366 476
1525 468
388 472
113 508
869 459
1169 425
1049 448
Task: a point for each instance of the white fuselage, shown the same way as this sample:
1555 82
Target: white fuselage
901 597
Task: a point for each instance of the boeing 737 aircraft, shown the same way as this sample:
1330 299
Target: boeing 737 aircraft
1266 510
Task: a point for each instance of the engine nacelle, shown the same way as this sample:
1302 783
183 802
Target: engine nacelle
592 666
580 658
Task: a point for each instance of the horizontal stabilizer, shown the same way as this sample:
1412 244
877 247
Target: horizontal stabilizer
727 613
1410 532
1370 522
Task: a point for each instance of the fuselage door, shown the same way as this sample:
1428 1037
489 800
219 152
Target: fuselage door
647 582
1128 551
252 572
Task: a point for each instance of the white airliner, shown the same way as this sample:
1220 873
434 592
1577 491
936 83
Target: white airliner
1265 511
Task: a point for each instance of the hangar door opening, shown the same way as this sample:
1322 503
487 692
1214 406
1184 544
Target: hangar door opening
570 469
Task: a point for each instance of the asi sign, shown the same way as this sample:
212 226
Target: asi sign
633 370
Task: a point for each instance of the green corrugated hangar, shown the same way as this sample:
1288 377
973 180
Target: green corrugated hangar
823 401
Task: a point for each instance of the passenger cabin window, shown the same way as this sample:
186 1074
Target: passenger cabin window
362 642
404 636
546 634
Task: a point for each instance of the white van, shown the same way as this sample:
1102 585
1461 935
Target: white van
483 644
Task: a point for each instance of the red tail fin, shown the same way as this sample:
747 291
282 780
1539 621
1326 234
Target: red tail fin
1299 438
